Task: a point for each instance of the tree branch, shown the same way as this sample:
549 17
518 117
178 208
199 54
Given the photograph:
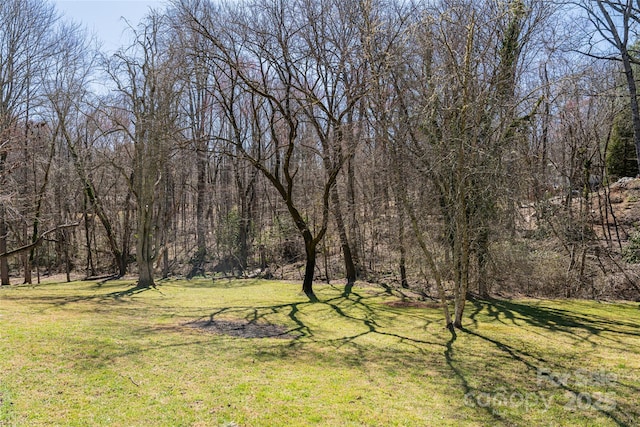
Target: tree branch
38 241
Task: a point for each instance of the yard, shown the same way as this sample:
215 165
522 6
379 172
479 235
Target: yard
258 353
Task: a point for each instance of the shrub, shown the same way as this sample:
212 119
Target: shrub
631 253
621 153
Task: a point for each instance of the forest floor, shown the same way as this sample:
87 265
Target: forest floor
257 353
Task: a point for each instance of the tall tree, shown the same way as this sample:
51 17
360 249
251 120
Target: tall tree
198 115
454 118
27 43
335 84
68 93
145 76
263 69
614 24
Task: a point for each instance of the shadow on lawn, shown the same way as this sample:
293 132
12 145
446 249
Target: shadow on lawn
555 320
582 326
365 316
131 292
368 318
341 305
59 301
462 378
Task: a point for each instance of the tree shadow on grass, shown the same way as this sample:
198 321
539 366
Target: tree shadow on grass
258 315
554 318
368 320
340 305
582 327
538 367
365 316
464 382
135 290
63 300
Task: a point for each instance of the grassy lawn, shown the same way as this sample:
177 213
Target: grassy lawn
84 354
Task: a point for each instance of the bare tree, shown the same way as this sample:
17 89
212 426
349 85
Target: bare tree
334 86
454 119
615 24
75 123
145 76
262 63
27 42
199 121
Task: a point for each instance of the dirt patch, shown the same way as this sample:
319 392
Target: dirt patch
412 304
243 329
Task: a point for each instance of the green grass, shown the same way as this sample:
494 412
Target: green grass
80 354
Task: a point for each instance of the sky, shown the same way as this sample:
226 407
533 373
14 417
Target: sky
104 17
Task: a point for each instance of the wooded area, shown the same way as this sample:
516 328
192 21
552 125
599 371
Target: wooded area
445 146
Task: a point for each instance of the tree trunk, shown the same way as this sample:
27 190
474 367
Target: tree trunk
91 269
197 268
461 259
165 261
353 220
401 246
145 274
310 250
67 257
26 260
38 211
90 193
145 251
4 263
122 258
167 215
350 268
633 98
122 261
247 196
482 254
37 269
619 28
27 269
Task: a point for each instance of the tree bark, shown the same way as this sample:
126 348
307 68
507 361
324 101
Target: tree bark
404 282
90 269
354 226
310 250
482 255
122 258
145 250
350 268
26 259
4 264
620 40
633 98
67 258
246 194
197 268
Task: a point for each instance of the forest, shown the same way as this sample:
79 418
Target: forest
447 147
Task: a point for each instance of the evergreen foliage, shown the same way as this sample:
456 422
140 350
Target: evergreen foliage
621 153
